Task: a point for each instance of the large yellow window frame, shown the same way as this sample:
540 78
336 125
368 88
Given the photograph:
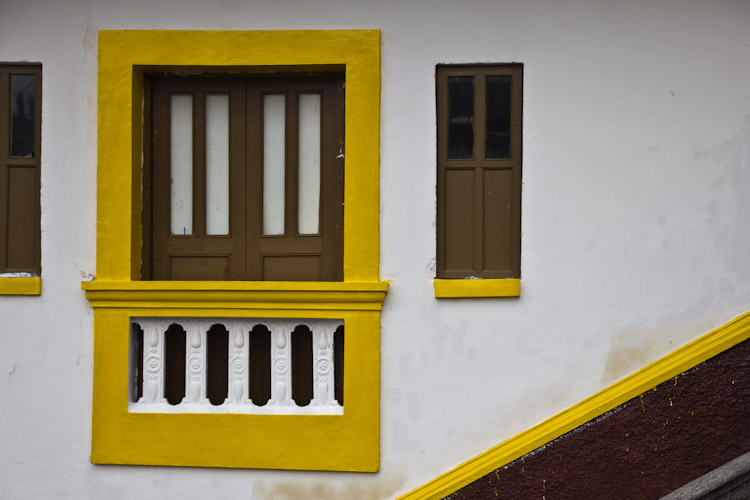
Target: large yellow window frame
325 442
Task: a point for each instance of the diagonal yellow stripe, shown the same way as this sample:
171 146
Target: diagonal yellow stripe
648 377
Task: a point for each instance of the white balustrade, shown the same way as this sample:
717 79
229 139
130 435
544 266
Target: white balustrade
153 362
281 363
195 361
239 354
238 400
323 364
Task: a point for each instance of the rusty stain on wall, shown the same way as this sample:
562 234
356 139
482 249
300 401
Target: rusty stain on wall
380 487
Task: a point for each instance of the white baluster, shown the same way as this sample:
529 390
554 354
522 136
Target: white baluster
153 361
195 361
196 335
323 367
281 363
239 349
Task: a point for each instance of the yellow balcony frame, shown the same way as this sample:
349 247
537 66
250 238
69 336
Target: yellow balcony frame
318 442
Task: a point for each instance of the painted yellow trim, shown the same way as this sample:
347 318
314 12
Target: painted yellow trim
20 286
346 442
281 286
477 288
671 365
237 294
124 55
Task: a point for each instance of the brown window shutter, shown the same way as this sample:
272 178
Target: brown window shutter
20 153
246 253
479 119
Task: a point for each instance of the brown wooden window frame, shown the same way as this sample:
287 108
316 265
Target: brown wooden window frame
20 240
468 211
297 257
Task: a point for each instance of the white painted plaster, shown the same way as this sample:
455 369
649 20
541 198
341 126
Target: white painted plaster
635 226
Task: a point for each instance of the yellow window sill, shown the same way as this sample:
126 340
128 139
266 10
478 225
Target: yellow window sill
468 288
20 286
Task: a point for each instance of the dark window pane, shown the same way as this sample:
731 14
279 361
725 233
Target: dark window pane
136 362
498 117
174 364
22 115
260 365
338 364
217 364
460 117
302 366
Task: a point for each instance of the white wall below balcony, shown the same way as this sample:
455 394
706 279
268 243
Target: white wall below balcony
635 226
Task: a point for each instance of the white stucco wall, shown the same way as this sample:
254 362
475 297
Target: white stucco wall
636 226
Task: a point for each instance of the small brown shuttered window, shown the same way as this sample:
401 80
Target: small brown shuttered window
479 121
246 178
20 151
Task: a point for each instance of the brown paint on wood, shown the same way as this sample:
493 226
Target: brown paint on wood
304 257
645 448
20 243
22 200
199 247
479 198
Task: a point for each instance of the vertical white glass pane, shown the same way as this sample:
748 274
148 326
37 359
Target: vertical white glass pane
274 128
182 164
309 164
217 164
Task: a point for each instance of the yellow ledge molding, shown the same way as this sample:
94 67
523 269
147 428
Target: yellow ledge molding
671 365
363 296
466 288
20 286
